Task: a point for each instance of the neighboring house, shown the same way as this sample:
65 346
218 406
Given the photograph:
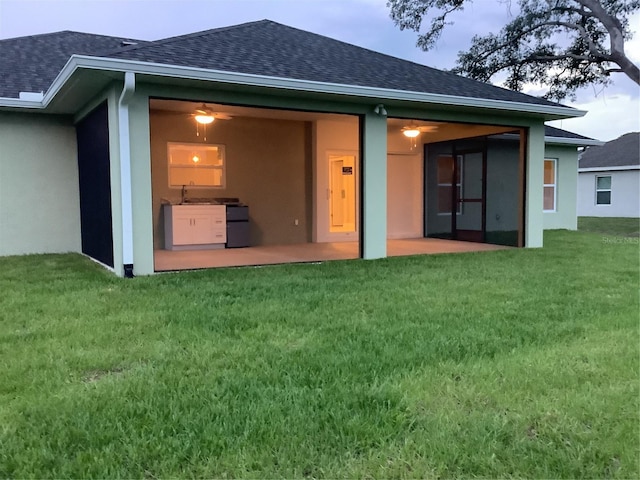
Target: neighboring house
609 179
330 145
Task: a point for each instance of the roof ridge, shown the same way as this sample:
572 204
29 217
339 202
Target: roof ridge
201 33
163 41
36 35
306 32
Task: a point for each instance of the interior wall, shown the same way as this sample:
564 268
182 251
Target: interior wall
332 136
268 167
39 199
405 185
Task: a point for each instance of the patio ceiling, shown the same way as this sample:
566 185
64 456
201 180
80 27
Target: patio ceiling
446 130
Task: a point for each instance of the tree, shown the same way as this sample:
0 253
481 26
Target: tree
561 44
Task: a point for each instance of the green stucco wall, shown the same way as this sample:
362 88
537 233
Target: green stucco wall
39 196
374 186
567 180
534 187
141 185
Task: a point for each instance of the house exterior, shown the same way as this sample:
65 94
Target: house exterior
609 179
102 151
560 180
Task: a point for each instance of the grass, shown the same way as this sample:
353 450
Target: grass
616 226
515 363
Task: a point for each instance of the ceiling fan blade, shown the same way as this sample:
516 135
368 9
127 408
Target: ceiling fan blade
421 128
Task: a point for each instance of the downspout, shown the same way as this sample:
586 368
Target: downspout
125 173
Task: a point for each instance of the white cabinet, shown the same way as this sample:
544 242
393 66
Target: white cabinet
190 227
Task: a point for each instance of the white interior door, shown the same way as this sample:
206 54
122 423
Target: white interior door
337 197
405 196
338 202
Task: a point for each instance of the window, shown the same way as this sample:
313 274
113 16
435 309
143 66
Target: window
445 177
550 180
603 190
196 165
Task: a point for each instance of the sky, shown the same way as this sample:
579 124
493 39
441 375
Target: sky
613 111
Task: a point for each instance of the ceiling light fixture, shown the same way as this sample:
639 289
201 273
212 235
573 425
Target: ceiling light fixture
411 132
204 119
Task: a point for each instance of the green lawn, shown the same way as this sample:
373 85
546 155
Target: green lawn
624 227
515 363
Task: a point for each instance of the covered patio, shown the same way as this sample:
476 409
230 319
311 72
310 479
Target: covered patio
166 260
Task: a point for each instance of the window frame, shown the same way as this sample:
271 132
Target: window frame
553 185
202 147
598 190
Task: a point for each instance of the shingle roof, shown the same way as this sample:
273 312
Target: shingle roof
559 133
30 64
263 48
268 48
621 152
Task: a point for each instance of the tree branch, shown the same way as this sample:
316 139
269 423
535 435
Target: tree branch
584 34
582 12
553 58
616 38
563 44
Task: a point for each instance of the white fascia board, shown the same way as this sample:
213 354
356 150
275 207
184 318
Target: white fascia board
193 73
609 169
569 142
578 142
18 103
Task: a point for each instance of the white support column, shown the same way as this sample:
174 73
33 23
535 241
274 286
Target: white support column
125 172
374 184
534 219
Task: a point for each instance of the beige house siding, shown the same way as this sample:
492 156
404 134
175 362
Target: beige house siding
39 197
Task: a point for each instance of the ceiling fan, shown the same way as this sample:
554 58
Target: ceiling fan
205 115
413 131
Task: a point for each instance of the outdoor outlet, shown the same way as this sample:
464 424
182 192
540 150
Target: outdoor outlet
295 222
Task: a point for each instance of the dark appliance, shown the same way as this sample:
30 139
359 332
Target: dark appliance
237 223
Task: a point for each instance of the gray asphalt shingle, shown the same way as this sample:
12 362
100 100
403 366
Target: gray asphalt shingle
262 48
270 49
559 133
621 152
31 64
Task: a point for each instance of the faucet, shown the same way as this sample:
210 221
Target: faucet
184 193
